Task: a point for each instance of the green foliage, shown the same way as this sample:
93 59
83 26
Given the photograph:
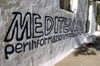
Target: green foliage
98 14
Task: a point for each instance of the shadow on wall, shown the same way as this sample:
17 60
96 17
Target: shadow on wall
88 49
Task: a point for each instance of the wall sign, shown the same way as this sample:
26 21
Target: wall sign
31 27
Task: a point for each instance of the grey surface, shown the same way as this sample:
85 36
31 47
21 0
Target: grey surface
86 55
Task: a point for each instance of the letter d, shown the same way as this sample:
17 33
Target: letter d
49 23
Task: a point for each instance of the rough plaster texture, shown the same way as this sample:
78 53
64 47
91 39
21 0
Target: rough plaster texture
92 16
46 55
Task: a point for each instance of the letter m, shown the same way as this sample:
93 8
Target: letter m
18 27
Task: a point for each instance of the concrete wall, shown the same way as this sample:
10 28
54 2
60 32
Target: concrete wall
38 32
92 18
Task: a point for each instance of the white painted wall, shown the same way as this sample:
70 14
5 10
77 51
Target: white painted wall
75 5
50 53
92 18
98 27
